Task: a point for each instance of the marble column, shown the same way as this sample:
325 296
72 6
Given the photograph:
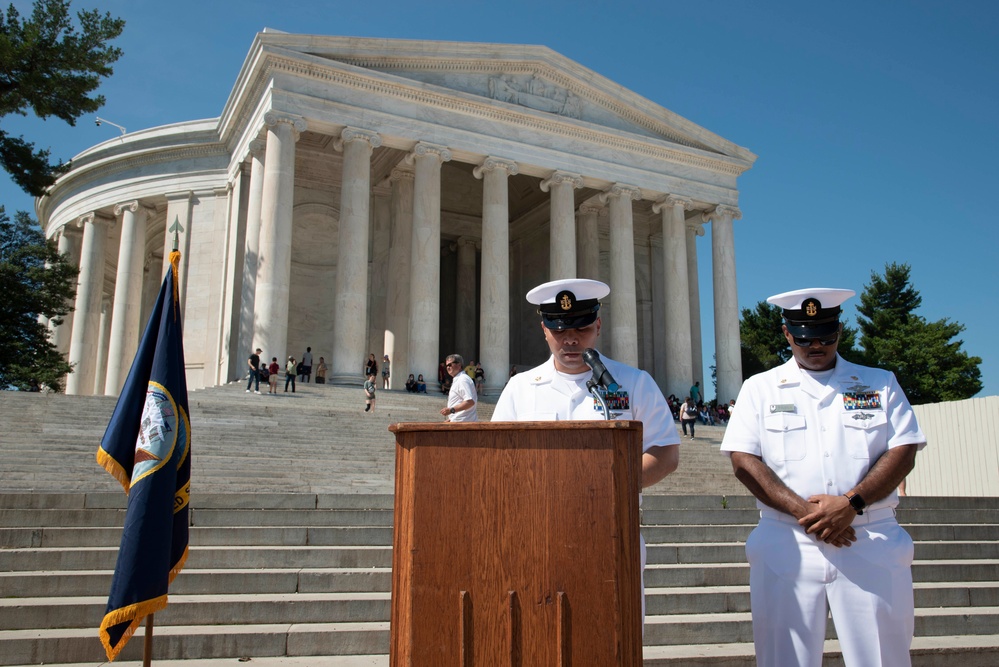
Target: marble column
124 336
623 307
425 267
251 255
494 300
676 318
103 342
69 245
350 322
562 262
728 359
381 225
89 293
464 323
588 240
272 293
400 250
695 229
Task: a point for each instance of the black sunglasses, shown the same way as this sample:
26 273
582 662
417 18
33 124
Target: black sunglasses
824 342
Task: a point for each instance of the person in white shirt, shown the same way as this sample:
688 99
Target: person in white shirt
823 443
461 398
556 390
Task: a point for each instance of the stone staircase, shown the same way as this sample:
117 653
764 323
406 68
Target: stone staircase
292 530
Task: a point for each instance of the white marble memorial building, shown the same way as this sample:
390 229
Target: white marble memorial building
401 197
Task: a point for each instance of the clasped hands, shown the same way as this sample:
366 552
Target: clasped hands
829 518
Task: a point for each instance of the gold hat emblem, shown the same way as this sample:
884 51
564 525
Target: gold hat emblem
811 308
565 301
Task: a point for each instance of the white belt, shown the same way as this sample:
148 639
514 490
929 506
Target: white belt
870 515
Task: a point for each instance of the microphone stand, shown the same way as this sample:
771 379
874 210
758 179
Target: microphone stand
592 385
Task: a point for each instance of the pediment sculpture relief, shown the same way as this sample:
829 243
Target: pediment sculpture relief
535 93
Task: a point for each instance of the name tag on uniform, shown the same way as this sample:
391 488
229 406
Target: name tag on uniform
616 400
862 400
782 407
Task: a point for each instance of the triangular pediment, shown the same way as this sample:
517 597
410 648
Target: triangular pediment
533 79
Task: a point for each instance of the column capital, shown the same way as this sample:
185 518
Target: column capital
132 206
298 124
575 180
402 174
256 148
494 163
669 201
350 134
466 241
590 206
68 229
722 211
95 218
424 149
621 190
696 226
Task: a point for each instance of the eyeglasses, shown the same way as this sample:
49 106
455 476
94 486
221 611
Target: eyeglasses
450 364
824 342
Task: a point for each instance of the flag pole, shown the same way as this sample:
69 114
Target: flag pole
147 644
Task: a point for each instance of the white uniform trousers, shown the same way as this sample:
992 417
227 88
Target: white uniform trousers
794 579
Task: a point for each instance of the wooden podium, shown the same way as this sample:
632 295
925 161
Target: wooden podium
516 544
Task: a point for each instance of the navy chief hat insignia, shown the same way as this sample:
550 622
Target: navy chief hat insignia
570 303
565 299
812 312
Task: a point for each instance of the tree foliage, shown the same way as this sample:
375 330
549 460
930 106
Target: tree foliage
35 280
926 357
50 67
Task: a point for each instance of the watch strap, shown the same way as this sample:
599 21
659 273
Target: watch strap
856 502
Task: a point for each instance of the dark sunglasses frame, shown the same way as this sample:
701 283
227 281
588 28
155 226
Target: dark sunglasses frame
807 341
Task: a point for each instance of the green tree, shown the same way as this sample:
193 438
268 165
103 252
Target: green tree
50 67
926 357
35 280
764 345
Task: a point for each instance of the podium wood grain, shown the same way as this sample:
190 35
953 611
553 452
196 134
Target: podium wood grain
516 544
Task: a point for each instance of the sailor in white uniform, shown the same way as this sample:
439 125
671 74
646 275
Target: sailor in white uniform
823 443
556 390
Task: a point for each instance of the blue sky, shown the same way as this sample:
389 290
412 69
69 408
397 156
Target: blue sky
876 124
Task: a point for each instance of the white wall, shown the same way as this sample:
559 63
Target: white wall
961 457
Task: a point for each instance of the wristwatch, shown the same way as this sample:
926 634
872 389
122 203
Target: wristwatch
452 410
856 502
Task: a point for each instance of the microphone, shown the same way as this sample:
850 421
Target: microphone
601 375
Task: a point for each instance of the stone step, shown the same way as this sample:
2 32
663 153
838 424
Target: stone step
202 558
287 536
722 599
677 629
86 536
263 608
967 651
737 574
63 645
372 579
257 661
192 582
345 638
256 609
942 651
313 555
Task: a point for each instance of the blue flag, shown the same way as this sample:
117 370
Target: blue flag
147 447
